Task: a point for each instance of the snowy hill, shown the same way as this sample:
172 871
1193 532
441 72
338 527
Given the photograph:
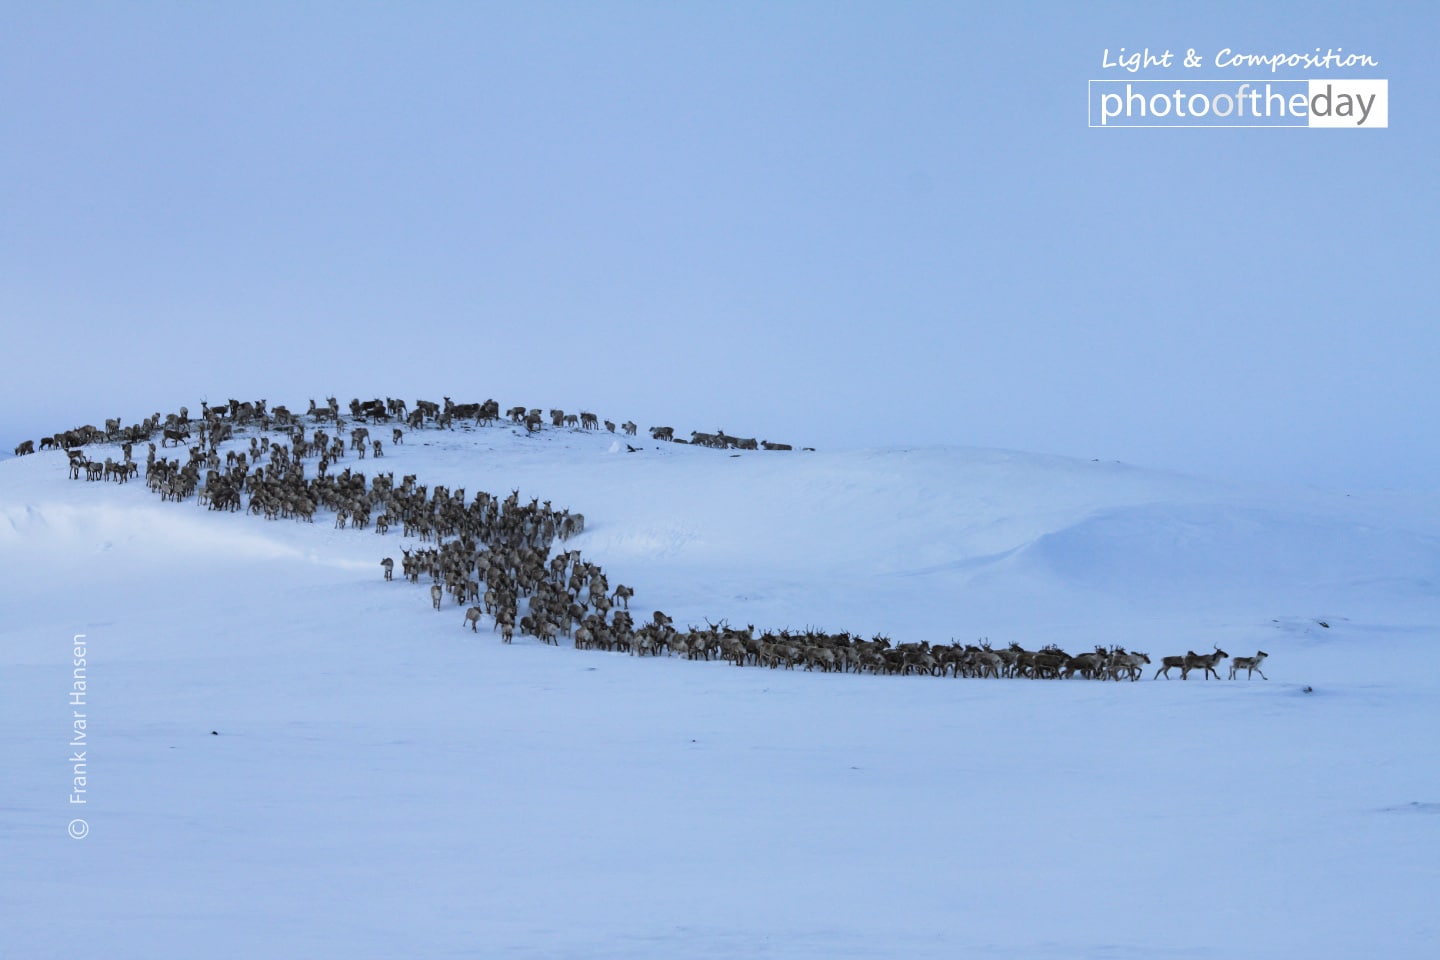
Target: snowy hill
383 783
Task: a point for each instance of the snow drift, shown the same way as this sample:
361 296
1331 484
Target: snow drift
382 783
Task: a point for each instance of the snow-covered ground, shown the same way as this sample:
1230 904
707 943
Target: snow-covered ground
382 783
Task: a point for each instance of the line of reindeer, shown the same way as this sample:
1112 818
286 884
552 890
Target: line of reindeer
491 553
175 426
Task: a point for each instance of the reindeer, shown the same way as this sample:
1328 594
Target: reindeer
1206 661
623 594
707 439
662 433
1088 665
26 447
1166 663
398 437
436 595
472 617
767 445
629 426
1129 664
1251 666
389 566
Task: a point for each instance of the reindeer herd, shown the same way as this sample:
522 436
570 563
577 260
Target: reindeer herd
496 557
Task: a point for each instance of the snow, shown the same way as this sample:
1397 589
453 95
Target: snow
382 783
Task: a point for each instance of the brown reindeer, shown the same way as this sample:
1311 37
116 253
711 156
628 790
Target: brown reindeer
1205 661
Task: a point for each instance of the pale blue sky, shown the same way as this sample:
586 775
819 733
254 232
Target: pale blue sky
823 223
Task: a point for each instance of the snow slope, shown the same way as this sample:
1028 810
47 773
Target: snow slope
381 783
